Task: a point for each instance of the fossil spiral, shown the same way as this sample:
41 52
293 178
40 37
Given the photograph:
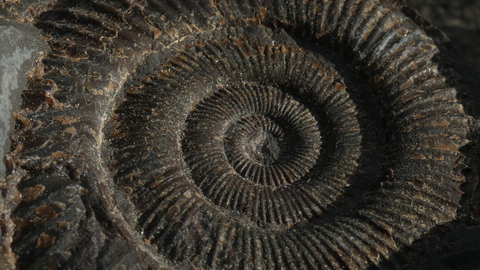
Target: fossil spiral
215 134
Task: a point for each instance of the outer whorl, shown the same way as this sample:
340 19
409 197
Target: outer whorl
236 135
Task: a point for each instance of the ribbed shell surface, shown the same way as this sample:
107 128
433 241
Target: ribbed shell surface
215 134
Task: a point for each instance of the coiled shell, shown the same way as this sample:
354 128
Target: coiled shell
236 135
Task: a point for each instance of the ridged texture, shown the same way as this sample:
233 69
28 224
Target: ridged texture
235 135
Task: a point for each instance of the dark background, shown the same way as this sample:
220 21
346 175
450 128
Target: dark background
459 20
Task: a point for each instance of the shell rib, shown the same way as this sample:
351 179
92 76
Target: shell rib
235 135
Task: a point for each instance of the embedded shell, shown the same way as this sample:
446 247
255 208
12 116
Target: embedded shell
236 135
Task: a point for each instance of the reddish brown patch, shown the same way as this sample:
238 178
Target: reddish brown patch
242 46
32 193
45 213
439 122
338 86
45 241
445 144
156 34
65 120
64 224
418 156
155 184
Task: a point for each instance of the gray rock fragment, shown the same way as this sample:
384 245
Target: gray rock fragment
20 48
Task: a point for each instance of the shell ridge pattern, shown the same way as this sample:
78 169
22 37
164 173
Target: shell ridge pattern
234 135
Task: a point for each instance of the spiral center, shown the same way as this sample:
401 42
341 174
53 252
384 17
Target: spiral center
263 147
258 133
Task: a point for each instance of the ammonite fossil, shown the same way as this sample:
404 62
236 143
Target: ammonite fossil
215 134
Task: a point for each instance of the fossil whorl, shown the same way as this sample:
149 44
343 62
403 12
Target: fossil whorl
235 135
